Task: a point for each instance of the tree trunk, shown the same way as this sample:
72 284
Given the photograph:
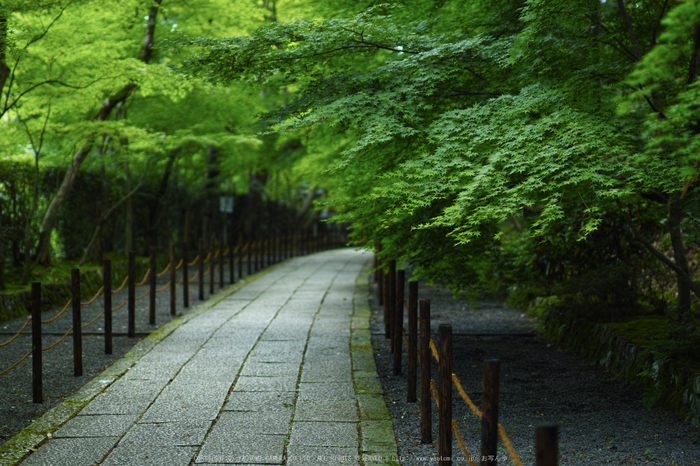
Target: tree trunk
28 225
154 206
675 216
210 185
44 248
2 252
4 69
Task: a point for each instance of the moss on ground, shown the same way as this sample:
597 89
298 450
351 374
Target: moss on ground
642 331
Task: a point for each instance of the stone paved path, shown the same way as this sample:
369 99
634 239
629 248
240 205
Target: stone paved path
279 371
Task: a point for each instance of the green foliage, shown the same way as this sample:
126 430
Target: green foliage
448 130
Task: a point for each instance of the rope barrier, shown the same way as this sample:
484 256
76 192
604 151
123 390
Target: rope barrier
143 295
468 456
99 292
501 430
120 306
93 320
190 264
179 265
59 341
466 399
59 314
194 276
148 272
206 259
16 334
434 350
15 364
164 287
122 285
164 271
509 446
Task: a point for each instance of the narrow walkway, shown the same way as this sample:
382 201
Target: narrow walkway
279 371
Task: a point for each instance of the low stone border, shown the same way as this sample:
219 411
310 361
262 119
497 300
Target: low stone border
377 437
676 388
16 449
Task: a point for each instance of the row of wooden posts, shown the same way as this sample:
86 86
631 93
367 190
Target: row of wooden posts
256 254
391 288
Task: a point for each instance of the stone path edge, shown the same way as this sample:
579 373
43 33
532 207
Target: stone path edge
30 438
378 439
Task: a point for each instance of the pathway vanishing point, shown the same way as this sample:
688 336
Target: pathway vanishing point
277 369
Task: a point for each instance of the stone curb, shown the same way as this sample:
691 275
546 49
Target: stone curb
377 437
29 439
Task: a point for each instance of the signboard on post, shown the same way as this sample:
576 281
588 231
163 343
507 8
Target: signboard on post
226 204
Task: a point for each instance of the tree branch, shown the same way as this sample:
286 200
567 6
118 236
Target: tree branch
630 29
658 254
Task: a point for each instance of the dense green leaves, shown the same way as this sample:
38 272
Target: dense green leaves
479 110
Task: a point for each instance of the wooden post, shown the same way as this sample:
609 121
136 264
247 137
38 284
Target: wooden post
221 263
173 280
445 394
99 241
386 300
232 263
200 291
212 265
248 256
152 285
489 406
380 284
185 277
107 282
240 257
412 340
546 445
263 252
426 430
398 320
391 309
131 311
37 384
77 329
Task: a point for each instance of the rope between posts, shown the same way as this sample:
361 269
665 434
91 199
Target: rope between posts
143 295
466 399
179 265
59 340
120 306
508 445
59 314
93 320
468 456
16 334
122 285
99 292
434 350
148 272
501 430
164 287
190 264
433 390
194 276
16 364
206 259
164 271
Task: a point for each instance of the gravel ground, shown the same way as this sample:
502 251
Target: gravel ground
17 410
601 420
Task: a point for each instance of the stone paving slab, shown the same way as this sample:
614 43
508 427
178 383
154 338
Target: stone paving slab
276 370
